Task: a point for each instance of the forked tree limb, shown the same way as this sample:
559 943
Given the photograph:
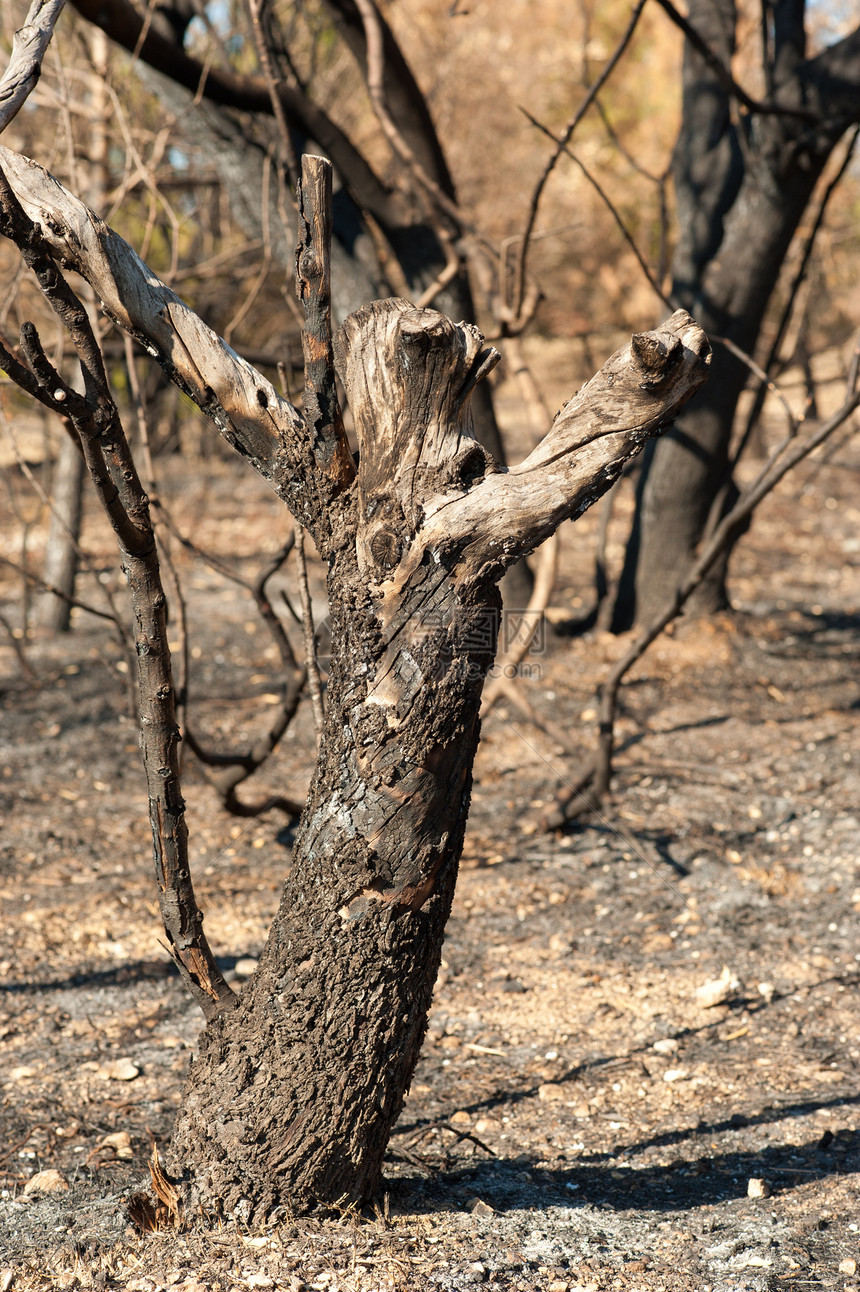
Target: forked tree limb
561 143
495 518
634 396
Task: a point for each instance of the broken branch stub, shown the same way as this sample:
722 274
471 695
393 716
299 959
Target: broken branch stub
425 483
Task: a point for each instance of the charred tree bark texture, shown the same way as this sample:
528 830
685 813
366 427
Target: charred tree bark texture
742 186
296 1086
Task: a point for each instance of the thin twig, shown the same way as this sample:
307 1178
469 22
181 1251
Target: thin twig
264 53
561 143
18 648
667 300
375 46
35 581
236 767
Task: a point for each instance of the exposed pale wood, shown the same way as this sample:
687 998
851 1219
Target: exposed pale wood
634 396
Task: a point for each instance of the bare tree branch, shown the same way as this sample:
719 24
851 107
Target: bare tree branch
251 415
223 86
28 50
97 422
405 101
561 143
595 781
499 516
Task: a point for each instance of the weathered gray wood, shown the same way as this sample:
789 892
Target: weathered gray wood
28 50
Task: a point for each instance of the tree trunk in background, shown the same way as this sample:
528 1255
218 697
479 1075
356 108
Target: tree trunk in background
739 202
61 553
60 569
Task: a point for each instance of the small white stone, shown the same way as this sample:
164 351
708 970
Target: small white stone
757 1188
718 991
120 1142
46 1182
119 1070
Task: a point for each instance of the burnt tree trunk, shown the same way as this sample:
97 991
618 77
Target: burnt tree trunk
742 187
294 1094
297 1085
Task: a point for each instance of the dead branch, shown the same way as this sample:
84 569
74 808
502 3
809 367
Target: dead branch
313 287
96 420
668 301
224 86
238 766
510 513
243 404
18 648
594 784
28 50
507 687
268 69
35 581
